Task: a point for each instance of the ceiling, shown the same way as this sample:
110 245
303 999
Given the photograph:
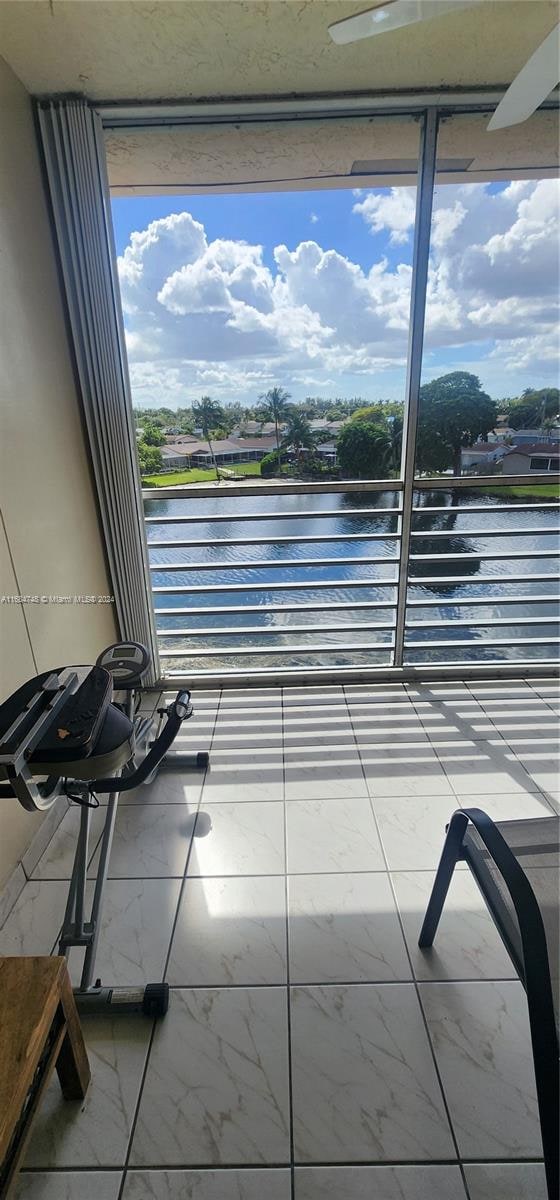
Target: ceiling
153 50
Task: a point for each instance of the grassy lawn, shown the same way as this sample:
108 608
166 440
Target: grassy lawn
541 491
198 475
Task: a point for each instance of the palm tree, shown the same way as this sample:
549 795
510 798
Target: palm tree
208 414
275 404
299 435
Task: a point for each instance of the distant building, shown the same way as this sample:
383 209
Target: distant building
501 433
534 458
520 437
327 450
256 429
482 454
190 452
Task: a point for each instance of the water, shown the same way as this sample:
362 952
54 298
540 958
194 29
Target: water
368 583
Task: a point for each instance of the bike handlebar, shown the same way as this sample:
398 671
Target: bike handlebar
177 712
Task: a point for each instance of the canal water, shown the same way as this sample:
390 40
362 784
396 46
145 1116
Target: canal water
349 578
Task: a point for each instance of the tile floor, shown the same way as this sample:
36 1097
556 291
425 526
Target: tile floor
311 1051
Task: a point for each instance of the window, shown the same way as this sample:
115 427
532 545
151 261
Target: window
541 464
491 342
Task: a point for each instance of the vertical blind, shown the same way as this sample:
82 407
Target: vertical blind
74 156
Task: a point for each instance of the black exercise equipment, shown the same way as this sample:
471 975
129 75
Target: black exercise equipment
66 732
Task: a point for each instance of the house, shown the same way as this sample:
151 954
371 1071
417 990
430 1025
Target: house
174 458
533 458
501 433
187 451
520 437
482 454
327 450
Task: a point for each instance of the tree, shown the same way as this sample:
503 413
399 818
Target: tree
454 412
149 458
208 415
534 409
270 464
275 406
152 435
380 413
299 435
389 415
364 450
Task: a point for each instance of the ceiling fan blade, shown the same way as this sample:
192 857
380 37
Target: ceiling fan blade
536 80
392 14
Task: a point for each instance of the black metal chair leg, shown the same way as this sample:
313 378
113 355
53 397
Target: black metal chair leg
545 1057
451 853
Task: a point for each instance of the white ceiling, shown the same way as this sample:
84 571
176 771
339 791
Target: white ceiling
152 49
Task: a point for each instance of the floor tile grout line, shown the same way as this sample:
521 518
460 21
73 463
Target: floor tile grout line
510 748
421 1010
329 983
164 973
543 698
288 984
283 1166
202 1168
438 751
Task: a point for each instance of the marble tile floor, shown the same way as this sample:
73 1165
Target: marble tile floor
311 1050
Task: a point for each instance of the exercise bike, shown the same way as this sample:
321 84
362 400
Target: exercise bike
78 732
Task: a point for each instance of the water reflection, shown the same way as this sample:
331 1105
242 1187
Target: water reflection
350 589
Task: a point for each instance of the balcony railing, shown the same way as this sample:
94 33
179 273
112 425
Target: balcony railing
286 580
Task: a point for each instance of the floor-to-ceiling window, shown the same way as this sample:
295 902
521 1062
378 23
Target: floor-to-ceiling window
267 307
485 558
266 289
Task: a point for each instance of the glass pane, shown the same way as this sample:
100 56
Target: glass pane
490 367
483 581
275 281
280 262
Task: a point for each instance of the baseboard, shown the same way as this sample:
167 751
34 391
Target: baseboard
27 863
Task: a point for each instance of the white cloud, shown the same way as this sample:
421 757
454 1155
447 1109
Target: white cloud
313 218
214 316
394 211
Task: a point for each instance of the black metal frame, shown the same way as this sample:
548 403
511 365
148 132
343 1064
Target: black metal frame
533 970
81 928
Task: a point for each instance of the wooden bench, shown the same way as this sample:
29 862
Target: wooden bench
39 1029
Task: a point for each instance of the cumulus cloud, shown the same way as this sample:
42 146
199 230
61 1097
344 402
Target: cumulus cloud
216 316
393 211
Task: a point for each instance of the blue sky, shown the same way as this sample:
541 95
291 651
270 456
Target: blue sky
268 218
229 294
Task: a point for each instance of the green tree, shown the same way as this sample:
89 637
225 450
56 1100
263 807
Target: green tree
208 415
534 409
149 458
299 435
379 413
454 412
152 435
275 406
270 464
364 450
388 414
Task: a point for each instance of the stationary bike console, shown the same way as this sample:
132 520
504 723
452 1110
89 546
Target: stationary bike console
126 661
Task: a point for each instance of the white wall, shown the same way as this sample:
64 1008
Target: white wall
50 541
